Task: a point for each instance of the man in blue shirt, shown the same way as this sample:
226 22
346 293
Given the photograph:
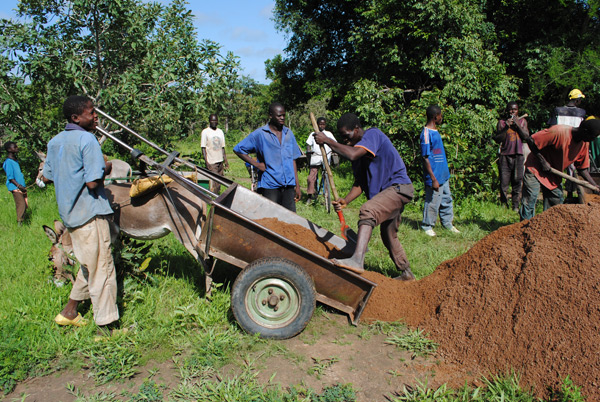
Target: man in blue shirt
75 164
380 173
276 152
15 182
436 174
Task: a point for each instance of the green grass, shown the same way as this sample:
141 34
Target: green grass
166 312
414 341
500 389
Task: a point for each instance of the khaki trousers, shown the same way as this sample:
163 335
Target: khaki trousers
97 279
20 204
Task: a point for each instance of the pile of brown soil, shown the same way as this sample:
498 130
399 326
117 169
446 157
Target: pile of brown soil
302 236
524 298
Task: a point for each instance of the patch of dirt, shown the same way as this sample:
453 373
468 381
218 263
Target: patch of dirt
53 387
525 298
375 369
345 353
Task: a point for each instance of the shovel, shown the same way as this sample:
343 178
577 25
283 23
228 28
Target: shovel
582 183
347 232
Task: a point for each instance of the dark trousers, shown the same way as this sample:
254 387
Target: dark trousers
511 174
284 196
531 190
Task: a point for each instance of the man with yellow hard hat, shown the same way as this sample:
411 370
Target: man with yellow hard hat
569 115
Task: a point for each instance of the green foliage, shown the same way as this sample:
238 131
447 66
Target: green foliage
112 360
320 365
140 62
568 392
414 341
333 393
505 388
336 393
388 60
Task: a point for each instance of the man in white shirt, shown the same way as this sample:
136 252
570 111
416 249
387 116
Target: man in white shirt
212 141
316 158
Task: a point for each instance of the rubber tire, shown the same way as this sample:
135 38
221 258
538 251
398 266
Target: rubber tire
284 277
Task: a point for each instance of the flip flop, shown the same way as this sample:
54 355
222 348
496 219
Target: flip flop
77 321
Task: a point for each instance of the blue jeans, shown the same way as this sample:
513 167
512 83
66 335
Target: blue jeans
438 202
531 190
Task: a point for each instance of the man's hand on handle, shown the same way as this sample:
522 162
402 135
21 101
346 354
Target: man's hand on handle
339 204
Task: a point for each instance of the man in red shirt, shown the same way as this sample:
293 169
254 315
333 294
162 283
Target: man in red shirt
557 147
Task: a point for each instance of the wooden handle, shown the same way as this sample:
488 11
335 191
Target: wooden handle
324 156
582 183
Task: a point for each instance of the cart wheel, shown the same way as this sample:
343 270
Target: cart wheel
273 297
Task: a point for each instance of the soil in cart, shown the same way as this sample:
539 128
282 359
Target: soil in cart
302 236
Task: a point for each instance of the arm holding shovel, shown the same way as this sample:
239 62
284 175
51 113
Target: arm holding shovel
345 229
590 184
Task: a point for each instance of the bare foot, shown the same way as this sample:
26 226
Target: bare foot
349 264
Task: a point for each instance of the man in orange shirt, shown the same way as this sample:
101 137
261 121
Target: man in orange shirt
557 147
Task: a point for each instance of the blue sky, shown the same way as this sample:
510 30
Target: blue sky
241 26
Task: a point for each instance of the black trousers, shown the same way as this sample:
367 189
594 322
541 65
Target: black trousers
511 174
284 196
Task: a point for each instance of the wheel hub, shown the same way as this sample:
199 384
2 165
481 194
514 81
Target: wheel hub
272 302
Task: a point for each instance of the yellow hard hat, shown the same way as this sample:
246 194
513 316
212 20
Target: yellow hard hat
576 94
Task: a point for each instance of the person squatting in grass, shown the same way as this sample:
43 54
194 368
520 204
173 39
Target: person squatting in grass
212 142
555 147
276 152
15 181
380 173
511 159
436 174
75 164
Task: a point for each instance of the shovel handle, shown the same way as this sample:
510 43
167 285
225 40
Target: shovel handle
582 183
325 162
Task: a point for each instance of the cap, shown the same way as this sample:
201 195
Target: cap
576 94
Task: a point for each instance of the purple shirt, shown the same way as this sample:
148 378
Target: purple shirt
512 144
381 167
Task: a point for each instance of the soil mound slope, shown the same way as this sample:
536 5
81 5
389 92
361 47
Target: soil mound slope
526 297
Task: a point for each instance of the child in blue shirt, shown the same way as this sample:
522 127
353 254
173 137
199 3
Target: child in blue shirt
438 199
15 182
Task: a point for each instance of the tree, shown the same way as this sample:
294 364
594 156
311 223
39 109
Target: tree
140 62
388 60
